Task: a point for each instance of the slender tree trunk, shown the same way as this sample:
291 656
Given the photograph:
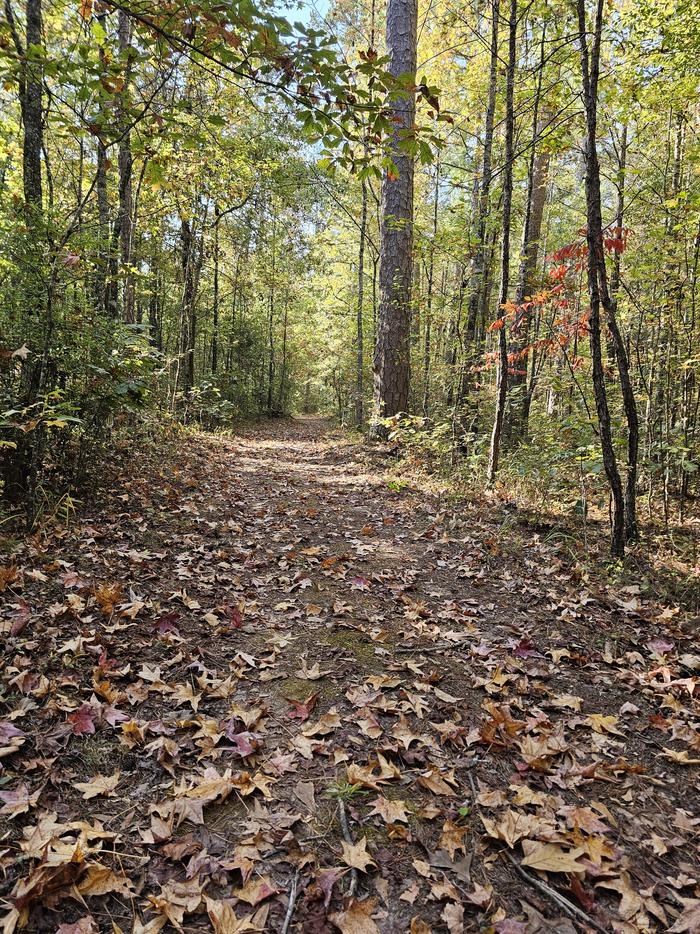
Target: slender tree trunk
392 352
538 170
270 329
19 465
360 346
479 262
125 222
188 322
427 337
590 64
502 385
32 110
215 310
609 300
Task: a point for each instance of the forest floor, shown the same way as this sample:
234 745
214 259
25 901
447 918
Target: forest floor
253 686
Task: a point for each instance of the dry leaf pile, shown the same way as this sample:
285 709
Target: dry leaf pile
255 689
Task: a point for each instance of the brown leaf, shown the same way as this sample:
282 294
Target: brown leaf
357 917
99 785
551 857
390 811
356 855
256 891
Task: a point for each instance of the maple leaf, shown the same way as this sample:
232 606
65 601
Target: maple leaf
357 917
82 720
101 880
18 801
356 856
512 826
366 777
390 811
310 674
329 722
438 782
176 899
256 891
452 838
600 723
246 743
404 734
99 785
167 623
183 694
225 921
301 710
582 818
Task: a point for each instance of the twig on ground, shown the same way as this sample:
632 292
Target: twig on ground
555 896
292 901
348 839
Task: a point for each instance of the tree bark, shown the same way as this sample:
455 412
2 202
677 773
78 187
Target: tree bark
32 110
479 262
360 345
590 65
609 299
215 309
502 384
392 351
538 172
124 227
430 276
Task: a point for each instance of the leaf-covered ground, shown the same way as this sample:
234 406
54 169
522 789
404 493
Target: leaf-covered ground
254 688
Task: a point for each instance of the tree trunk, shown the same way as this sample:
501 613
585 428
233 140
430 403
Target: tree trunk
215 310
478 271
31 106
590 65
609 299
392 352
502 385
538 171
124 226
360 346
188 321
427 336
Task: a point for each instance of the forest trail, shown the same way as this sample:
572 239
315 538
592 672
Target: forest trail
255 668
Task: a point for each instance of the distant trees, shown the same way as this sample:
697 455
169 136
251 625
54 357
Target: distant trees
524 295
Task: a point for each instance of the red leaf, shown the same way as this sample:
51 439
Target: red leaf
301 710
82 720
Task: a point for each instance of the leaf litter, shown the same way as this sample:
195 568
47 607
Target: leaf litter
255 688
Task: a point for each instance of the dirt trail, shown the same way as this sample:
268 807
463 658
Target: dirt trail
246 645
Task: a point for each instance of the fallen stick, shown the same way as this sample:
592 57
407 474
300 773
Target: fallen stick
348 839
290 906
555 896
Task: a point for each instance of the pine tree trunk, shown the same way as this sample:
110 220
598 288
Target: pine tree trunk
392 351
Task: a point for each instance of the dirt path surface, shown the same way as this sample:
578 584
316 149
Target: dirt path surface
255 687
